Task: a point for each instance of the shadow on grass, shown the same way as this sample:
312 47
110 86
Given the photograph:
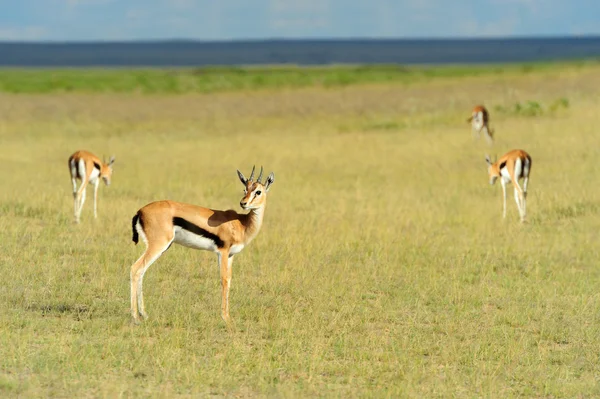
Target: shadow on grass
78 311
572 211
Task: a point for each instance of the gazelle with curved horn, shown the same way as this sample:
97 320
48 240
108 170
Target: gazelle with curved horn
88 168
480 120
225 233
511 167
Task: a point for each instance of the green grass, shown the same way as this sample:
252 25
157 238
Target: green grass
383 269
220 79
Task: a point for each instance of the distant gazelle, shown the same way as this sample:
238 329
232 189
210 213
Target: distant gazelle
511 167
88 168
225 233
480 119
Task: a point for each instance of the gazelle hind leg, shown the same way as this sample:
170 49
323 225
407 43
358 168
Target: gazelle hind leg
96 197
79 201
488 135
78 169
518 202
73 171
524 194
503 200
74 182
74 196
140 294
138 269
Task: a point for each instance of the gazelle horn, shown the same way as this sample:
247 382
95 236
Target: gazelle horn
251 174
260 174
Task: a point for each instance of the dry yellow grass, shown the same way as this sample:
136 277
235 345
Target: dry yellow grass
383 267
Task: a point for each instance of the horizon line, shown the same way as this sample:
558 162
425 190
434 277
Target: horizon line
308 39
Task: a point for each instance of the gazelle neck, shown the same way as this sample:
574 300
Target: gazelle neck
253 223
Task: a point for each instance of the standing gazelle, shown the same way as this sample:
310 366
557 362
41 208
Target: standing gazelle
88 168
511 167
480 119
225 233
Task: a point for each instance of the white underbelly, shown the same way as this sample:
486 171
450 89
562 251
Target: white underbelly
191 240
94 175
505 175
236 249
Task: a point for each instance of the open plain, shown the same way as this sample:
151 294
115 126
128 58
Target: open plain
383 268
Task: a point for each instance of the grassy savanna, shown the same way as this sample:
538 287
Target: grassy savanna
228 79
383 268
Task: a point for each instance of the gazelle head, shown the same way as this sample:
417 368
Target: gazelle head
493 169
106 171
255 192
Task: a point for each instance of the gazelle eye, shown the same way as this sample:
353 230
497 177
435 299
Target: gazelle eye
258 192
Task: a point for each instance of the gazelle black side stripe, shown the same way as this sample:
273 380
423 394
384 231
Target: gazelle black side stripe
191 227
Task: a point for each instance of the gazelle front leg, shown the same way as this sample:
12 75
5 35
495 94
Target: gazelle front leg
225 262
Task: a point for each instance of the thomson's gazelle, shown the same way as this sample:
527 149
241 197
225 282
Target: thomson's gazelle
225 233
511 167
480 119
88 168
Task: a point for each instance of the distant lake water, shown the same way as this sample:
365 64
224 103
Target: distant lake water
297 52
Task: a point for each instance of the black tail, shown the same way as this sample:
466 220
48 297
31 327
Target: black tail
135 237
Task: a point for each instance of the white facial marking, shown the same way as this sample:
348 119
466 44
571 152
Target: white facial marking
191 240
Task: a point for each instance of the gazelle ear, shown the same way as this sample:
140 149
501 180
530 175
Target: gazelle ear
488 160
270 180
242 178
111 160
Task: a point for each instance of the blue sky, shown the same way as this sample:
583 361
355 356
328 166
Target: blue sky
66 20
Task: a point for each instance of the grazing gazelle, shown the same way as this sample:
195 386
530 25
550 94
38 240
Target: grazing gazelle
88 168
511 167
225 233
480 119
